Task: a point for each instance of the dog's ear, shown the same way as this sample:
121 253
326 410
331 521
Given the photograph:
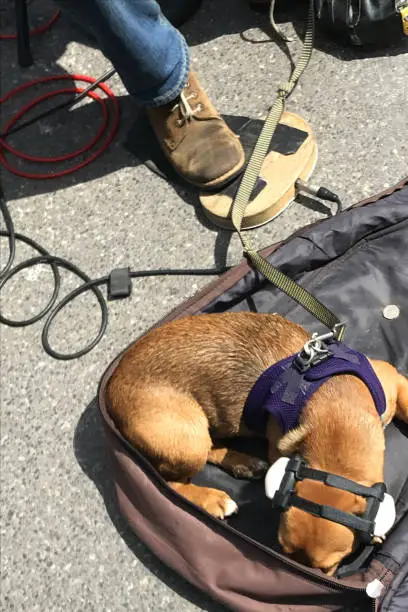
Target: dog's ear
293 440
402 398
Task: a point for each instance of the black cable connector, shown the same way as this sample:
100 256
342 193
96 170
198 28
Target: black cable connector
325 194
319 192
118 282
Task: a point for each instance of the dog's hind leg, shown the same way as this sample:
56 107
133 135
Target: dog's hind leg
172 430
238 464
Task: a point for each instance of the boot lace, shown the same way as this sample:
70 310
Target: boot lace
186 111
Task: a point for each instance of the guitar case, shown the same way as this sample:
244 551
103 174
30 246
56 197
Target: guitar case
357 264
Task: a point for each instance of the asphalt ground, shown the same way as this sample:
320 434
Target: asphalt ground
64 546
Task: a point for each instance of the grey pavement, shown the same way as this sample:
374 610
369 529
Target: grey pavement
64 545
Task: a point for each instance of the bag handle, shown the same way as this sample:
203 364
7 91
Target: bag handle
275 276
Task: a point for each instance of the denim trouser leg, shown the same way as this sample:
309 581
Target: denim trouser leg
150 55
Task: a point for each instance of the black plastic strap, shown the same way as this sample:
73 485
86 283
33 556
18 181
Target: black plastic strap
333 514
352 567
338 482
120 284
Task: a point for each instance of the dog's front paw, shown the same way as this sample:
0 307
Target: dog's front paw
255 468
219 504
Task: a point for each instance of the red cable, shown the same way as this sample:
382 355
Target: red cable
101 132
30 105
38 30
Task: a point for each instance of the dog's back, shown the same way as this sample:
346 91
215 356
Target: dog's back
214 359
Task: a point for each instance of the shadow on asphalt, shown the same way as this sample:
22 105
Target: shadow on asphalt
92 455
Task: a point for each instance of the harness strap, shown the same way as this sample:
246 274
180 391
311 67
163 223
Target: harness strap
275 276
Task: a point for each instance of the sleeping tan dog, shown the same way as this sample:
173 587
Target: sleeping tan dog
183 386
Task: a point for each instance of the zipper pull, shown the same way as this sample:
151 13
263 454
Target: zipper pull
374 588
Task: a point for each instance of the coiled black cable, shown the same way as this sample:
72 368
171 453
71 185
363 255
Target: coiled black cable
52 309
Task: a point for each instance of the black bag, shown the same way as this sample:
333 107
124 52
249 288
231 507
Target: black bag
365 22
356 263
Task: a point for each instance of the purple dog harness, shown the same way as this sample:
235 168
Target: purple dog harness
284 389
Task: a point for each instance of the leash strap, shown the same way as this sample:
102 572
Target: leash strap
275 276
275 28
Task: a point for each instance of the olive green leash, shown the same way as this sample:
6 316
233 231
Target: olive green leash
248 182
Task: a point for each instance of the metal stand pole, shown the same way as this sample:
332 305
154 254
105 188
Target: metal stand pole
24 55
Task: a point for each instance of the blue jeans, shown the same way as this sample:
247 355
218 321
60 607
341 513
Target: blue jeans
150 55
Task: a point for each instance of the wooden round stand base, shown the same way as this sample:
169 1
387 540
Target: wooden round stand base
279 173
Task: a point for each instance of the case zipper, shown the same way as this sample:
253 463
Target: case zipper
192 508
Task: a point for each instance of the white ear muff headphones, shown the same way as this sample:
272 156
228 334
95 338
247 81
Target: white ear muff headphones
274 477
385 517
377 520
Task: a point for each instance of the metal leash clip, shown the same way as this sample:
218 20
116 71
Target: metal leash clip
314 351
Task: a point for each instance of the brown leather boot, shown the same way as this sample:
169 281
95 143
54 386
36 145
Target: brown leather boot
198 143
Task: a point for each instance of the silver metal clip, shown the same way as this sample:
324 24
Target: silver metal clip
314 351
338 331
315 345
